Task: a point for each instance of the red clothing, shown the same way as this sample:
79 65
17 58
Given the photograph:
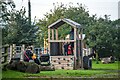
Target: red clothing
69 50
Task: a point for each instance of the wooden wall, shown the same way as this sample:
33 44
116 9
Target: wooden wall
62 62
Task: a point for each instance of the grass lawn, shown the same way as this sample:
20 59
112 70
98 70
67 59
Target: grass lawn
98 71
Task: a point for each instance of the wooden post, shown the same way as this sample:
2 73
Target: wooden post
0 58
14 50
52 34
78 49
22 51
75 47
81 48
6 52
11 52
49 41
5 57
48 34
56 34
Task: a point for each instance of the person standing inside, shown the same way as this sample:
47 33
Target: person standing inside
65 49
69 49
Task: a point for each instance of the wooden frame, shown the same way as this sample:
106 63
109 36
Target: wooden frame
54 38
61 40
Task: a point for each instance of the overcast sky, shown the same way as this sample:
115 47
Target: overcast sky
99 7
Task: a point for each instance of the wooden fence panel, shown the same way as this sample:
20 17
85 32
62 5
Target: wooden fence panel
4 56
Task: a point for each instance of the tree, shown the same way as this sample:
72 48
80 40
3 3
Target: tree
100 34
17 29
5 8
77 14
116 36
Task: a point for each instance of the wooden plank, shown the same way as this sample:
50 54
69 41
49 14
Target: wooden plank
61 41
6 54
4 64
52 34
66 64
75 47
57 67
75 42
63 65
11 51
7 45
14 49
65 68
62 61
78 50
68 68
48 34
49 47
49 41
81 49
61 57
0 47
56 34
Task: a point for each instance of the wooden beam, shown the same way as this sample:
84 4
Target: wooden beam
56 34
6 52
11 51
81 48
7 45
75 42
61 40
48 34
14 50
23 49
49 47
49 41
75 47
52 34
78 50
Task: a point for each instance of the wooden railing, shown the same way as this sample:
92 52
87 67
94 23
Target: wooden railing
4 56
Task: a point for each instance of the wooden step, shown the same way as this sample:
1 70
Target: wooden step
66 68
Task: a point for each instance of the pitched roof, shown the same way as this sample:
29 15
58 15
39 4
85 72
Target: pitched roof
60 22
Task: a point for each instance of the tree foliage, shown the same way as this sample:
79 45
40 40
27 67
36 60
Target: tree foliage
61 11
17 29
100 32
116 36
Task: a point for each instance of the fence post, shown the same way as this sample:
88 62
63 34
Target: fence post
5 57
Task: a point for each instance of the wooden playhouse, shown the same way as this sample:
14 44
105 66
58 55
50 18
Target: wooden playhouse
57 58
